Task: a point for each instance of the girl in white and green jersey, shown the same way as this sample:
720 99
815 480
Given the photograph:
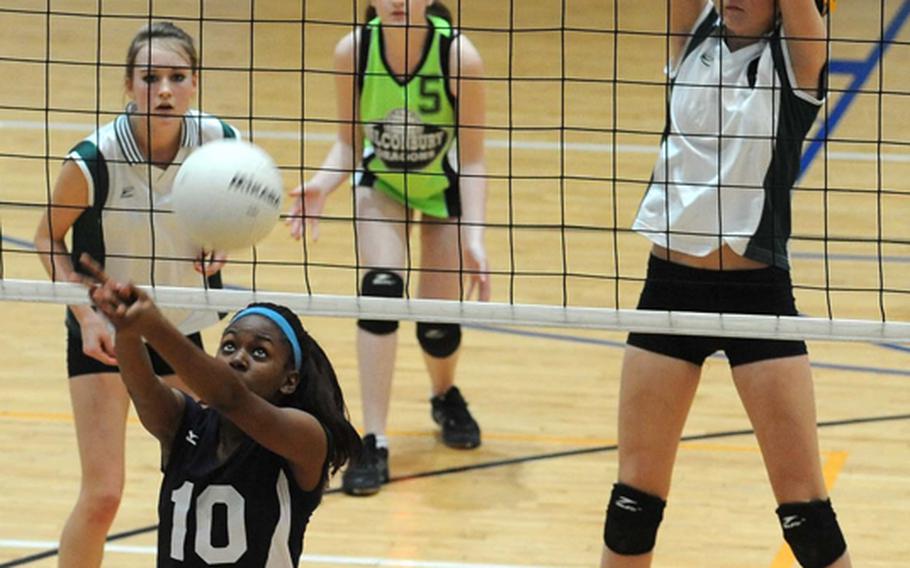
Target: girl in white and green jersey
410 106
112 200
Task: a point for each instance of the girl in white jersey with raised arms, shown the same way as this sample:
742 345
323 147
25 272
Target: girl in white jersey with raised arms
402 80
103 194
747 78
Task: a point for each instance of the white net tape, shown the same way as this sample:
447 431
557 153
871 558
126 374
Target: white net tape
491 313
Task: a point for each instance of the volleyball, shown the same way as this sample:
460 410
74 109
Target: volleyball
227 195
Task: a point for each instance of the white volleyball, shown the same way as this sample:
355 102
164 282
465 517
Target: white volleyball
228 195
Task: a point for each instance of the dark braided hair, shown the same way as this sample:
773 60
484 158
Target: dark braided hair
319 393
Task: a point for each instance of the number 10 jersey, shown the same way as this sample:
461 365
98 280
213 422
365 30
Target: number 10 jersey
247 511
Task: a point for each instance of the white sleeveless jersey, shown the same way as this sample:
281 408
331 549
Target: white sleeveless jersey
731 149
129 225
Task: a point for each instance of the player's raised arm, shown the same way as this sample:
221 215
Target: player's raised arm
806 35
683 17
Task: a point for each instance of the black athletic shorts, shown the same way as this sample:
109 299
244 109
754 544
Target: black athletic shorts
78 363
672 286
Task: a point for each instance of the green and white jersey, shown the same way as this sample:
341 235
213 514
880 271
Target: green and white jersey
129 225
409 124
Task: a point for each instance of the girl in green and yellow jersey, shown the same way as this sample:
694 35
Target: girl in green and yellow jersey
411 113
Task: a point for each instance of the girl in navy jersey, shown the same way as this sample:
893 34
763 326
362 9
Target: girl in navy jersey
410 102
102 198
244 471
747 79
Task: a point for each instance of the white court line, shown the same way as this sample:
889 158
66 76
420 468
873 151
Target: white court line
87 127
309 558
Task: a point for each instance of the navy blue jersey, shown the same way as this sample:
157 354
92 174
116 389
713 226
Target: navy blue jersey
245 511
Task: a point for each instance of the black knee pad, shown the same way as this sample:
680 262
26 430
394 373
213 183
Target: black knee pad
812 532
439 339
381 284
632 520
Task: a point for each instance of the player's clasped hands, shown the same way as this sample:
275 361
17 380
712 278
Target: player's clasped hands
126 306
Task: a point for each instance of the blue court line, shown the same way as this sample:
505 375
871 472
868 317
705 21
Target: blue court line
19 242
896 347
846 67
861 71
621 345
889 258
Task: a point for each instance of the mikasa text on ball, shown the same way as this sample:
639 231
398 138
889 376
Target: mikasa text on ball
227 195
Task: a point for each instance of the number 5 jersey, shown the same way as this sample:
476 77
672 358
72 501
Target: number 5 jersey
409 122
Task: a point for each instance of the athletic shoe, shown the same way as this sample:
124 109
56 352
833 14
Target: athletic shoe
459 429
366 474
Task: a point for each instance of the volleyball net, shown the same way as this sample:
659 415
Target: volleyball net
575 99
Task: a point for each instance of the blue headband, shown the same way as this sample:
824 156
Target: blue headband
282 324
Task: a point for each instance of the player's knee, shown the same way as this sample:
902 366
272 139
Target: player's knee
439 339
381 284
811 530
633 517
98 508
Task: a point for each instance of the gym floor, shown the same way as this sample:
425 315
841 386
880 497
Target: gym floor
534 493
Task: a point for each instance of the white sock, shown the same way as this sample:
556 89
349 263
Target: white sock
382 441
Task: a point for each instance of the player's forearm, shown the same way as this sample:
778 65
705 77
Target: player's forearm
337 167
55 258
212 380
801 20
473 191
154 401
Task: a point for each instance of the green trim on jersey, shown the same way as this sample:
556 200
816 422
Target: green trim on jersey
88 233
88 230
227 130
409 125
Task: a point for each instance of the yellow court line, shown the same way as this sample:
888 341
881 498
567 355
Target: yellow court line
36 416
832 467
63 417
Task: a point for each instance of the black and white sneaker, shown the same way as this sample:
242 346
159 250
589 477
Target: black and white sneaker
459 429
366 474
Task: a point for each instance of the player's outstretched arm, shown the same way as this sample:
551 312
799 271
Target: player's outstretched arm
130 310
289 432
293 434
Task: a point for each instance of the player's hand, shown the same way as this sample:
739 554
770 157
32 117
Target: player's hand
474 257
97 341
309 202
209 263
128 308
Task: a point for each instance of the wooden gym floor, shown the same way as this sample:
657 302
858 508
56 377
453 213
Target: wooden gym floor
534 493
